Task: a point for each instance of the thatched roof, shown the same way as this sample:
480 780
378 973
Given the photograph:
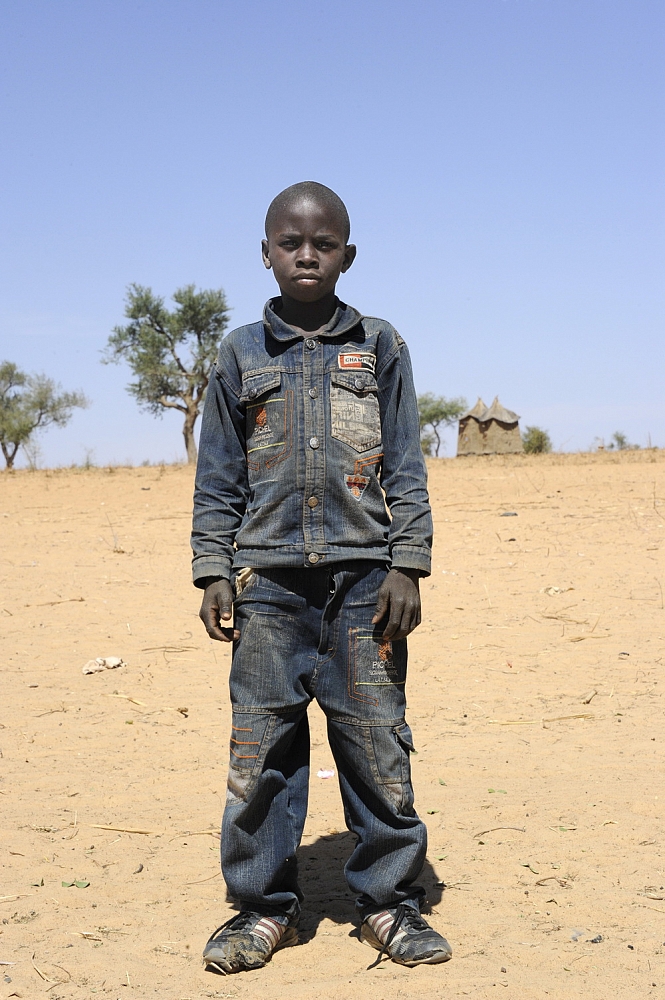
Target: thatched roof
496 411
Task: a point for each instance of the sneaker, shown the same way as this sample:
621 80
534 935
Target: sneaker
247 941
403 935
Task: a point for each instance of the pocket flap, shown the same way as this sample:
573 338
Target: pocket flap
355 381
403 734
257 385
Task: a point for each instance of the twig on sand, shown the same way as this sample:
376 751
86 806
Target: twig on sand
121 829
553 878
208 879
41 974
564 718
513 722
127 697
169 649
541 722
52 604
520 829
197 833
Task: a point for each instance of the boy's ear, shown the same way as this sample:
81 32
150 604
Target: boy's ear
349 257
266 255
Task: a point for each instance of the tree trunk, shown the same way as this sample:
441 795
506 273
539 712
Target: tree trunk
188 434
9 455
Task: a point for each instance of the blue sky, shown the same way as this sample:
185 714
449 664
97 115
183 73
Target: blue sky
502 162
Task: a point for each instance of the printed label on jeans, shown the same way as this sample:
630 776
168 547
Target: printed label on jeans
359 360
383 669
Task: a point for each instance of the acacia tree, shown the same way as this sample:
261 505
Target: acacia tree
170 353
434 412
29 403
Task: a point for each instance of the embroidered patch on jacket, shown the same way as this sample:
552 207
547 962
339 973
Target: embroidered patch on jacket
356 485
348 361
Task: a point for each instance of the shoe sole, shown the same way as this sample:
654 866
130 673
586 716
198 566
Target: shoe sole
289 938
367 936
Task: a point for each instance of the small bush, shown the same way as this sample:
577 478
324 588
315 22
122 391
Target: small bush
621 442
536 441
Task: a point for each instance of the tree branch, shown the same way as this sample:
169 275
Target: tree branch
174 406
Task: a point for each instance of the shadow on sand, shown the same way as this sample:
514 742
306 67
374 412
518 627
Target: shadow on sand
321 871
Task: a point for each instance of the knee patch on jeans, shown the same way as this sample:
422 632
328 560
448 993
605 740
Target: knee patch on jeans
247 752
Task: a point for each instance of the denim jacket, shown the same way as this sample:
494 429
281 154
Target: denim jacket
310 450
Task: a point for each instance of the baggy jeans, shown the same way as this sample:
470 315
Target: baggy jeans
308 634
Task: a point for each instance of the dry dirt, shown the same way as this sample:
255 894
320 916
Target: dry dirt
536 700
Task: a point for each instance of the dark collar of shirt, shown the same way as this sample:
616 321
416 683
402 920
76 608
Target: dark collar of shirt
344 319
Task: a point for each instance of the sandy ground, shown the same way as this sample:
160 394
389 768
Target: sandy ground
536 700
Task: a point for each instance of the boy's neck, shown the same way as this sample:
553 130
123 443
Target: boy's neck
310 317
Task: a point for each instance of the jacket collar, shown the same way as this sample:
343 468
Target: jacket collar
344 318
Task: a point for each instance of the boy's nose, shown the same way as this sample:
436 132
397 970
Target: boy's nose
307 256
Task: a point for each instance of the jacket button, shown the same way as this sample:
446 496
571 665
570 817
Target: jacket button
314 557
314 442
314 392
312 502
252 393
310 344
359 383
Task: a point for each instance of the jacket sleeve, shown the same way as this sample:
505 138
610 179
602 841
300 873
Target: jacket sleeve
404 474
222 488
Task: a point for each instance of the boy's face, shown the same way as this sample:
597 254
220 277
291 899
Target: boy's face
307 250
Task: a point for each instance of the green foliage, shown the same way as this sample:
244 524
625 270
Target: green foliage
434 412
536 441
170 352
621 442
29 403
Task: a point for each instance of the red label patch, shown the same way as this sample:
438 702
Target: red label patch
348 361
356 485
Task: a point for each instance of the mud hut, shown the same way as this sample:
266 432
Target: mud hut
489 430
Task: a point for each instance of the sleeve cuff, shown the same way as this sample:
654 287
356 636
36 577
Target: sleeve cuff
206 566
407 557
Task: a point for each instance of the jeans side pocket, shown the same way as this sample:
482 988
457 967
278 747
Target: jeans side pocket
392 748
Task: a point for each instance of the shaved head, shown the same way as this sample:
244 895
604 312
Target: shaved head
310 191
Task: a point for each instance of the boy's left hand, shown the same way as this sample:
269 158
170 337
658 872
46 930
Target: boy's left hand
399 598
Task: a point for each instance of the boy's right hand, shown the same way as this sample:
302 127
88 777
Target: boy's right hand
217 607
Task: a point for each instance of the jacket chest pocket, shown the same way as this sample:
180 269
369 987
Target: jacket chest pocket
269 419
355 417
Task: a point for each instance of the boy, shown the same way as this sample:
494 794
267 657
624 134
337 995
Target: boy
310 436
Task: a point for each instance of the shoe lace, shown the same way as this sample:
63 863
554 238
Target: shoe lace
239 921
403 915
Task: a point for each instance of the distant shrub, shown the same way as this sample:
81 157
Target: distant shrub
536 441
621 442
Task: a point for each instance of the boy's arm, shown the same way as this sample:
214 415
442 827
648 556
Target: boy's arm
404 480
220 498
